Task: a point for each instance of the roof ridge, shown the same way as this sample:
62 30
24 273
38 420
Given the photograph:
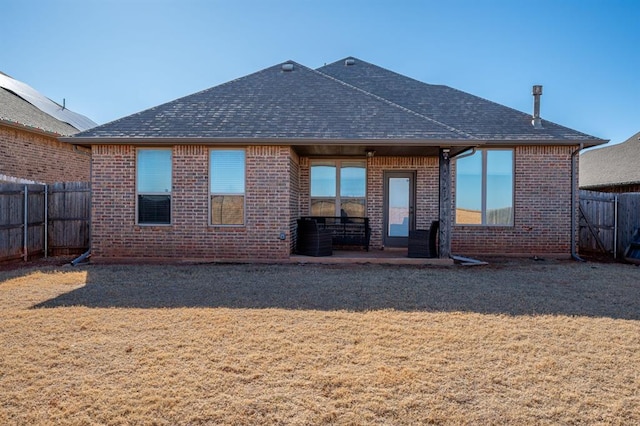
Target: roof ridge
448 127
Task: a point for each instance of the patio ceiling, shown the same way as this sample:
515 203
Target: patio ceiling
377 150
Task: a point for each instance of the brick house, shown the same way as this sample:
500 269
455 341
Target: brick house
30 125
226 172
614 168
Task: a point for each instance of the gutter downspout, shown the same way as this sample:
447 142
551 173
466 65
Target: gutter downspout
574 255
87 254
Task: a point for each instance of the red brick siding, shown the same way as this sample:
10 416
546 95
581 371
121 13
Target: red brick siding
41 158
305 189
267 207
542 202
542 217
294 199
277 192
426 169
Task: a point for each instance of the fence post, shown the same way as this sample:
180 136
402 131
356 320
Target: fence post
46 220
25 234
615 227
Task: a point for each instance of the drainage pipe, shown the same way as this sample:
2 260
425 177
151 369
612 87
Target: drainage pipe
87 254
574 232
84 256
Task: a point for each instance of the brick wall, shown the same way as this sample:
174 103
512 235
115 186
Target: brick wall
41 158
542 216
277 193
542 202
267 212
294 199
426 169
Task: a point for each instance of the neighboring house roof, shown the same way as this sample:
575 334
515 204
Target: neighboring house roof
614 165
16 111
23 106
352 104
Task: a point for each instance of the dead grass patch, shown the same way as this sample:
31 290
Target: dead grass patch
256 345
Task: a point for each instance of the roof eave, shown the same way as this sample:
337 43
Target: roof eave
125 140
586 143
590 186
31 129
262 141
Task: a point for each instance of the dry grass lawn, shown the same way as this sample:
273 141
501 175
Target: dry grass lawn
517 342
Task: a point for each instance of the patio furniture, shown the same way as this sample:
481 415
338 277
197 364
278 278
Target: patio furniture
423 242
312 239
346 231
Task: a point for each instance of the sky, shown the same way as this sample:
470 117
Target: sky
111 58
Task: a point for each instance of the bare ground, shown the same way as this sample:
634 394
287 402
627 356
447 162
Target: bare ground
517 341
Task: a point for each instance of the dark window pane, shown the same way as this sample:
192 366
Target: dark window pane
154 209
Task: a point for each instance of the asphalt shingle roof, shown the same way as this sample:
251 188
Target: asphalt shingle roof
272 103
15 110
335 102
468 113
611 165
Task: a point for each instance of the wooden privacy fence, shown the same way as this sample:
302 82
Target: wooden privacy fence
608 221
40 220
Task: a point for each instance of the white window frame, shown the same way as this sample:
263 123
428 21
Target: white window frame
169 193
243 194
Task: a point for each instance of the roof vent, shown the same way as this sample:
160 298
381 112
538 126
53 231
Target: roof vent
288 67
537 121
349 61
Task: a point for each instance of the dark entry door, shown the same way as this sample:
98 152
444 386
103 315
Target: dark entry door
399 207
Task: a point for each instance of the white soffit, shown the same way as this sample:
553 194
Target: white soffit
45 104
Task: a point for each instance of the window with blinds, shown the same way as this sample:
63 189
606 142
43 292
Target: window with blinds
153 186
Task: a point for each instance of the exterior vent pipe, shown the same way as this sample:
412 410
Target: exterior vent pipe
537 121
288 67
349 62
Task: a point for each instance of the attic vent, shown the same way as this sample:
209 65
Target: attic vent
288 67
349 61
